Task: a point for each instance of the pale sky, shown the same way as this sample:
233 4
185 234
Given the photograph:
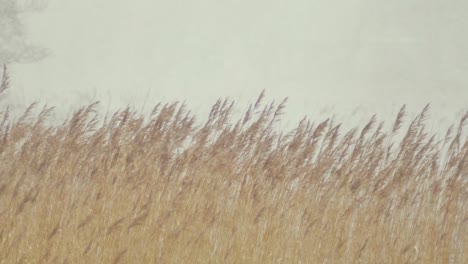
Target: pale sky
326 55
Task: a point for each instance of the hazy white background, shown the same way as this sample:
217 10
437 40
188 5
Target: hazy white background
348 57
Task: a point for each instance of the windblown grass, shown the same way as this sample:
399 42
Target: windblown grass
166 189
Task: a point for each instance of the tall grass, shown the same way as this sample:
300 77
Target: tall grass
169 189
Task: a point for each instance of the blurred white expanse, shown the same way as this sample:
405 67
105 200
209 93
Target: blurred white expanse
348 57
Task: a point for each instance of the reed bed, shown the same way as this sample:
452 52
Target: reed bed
167 188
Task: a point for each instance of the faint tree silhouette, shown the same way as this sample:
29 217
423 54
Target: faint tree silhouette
13 46
4 82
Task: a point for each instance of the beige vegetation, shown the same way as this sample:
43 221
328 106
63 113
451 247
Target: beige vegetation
164 189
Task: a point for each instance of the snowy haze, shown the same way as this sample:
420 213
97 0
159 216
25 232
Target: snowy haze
349 57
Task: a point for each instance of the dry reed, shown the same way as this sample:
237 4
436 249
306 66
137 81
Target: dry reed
166 189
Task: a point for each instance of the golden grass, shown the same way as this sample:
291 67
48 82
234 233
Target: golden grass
165 189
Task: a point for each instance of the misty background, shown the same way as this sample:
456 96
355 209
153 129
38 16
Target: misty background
349 58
